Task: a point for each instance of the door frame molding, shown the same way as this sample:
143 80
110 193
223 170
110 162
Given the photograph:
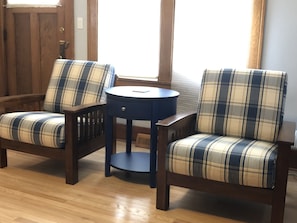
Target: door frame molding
3 73
92 7
69 23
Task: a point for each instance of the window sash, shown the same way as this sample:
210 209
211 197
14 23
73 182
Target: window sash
166 40
211 37
130 40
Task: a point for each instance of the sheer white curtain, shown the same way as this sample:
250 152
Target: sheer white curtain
208 34
32 3
128 36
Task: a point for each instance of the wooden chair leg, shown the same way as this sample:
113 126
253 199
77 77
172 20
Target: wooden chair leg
3 158
277 211
280 189
71 166
163 192
293 158
279 199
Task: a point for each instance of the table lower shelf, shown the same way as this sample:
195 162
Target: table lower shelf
133 162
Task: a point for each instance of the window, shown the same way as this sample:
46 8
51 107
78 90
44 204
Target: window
129 37
186 27
32 3
212 33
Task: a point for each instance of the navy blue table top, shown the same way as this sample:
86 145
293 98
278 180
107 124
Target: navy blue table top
141 92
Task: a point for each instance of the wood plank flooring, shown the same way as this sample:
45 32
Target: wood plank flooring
33 190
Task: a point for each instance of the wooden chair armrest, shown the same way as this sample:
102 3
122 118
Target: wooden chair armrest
178 126
287 133
80 109
24 102
183 117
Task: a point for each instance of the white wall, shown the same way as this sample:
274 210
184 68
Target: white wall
80 35
280 47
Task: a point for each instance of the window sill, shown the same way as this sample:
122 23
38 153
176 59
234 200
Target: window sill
120 81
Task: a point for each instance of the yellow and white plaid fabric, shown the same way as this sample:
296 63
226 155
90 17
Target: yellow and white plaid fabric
40 128
73 82
238 120
225 159
242 103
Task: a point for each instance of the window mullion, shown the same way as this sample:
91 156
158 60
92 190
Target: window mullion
166 41
257 33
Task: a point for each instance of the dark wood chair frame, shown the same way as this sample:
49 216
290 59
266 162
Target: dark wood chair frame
183 125
91 138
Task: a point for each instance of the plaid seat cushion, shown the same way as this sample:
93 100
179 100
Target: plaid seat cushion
75 82
225 159
40 128
242 103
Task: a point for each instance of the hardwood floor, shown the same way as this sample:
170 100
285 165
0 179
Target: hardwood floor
33 190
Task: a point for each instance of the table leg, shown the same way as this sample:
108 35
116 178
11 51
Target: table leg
153 154
108 143
128 136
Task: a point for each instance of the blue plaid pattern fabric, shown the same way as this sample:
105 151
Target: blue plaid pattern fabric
242 103
225 159
40 128
239 116
76 83
73 82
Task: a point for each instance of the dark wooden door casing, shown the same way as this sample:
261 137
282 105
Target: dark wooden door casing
33 45
3 76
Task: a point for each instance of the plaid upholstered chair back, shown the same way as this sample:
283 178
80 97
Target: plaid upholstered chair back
242 103
75 82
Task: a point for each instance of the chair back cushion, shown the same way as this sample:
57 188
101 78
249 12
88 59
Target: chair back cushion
76 82
245 103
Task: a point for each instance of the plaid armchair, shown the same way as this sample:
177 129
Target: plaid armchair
66 123
236 144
